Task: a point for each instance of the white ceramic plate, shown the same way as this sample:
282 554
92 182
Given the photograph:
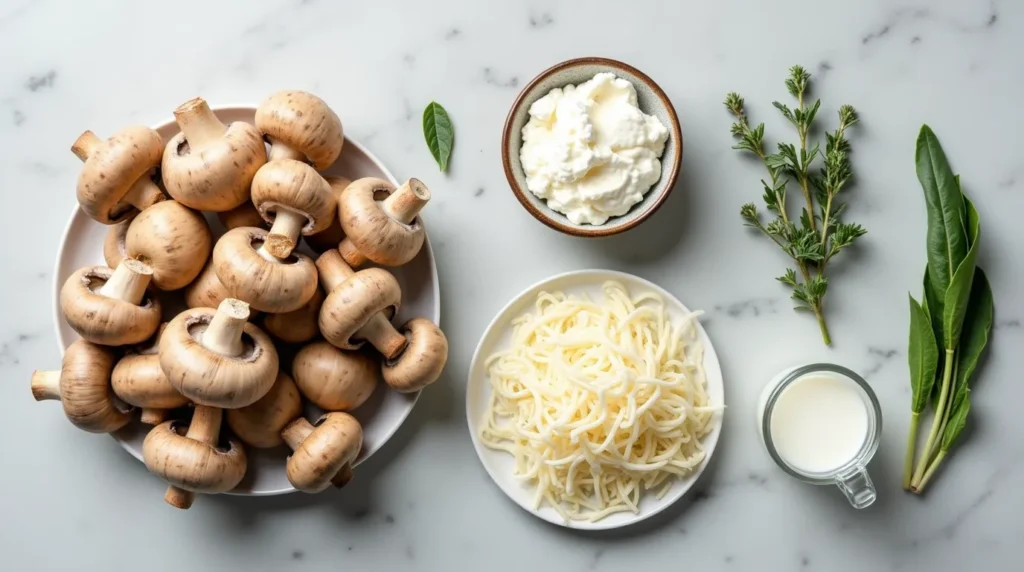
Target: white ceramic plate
499 465
380 416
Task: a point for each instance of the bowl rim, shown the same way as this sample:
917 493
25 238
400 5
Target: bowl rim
76 212
601 230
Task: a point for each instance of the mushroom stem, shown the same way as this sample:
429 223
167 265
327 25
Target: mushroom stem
198 122
179 498
85 145
280 150
143 194
204 427
45 385
383 336
152 416
350 253
296 432
205 424
284 234
224 334
407 201
265 253
343 476
333 270
128 282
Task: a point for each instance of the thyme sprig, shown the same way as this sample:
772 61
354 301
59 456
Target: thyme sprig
819 233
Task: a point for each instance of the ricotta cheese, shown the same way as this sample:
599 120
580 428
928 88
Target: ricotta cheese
590 152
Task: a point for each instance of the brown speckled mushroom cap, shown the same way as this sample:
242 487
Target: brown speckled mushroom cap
209 166
301 126
83 387
111 307
333 379
216 358
244 214
261 423
194 461
388 232
296 199
333 234
115 179
138 380
323 453
206 291
422 361
174 240
299 325
266 282
359 306
114 248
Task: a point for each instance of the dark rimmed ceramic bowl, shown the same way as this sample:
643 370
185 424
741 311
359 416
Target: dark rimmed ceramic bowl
652 101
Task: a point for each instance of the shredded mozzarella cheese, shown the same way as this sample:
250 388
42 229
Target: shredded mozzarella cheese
599 401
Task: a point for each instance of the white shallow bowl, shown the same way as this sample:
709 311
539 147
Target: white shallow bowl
498 336
380 416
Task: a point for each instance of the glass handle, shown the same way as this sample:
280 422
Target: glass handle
857 486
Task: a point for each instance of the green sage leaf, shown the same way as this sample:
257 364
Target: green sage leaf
959 291
923 356
977 327
957 422
947 243
931 304
440 135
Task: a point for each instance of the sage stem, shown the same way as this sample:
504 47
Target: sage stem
940 412
931 471
908 460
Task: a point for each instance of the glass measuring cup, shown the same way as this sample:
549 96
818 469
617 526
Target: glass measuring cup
851 477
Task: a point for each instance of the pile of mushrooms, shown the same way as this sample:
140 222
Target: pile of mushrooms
210 380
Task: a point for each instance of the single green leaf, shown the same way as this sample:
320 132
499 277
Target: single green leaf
956 424
923 356
977 326
932 304
959 291
947 243
437 128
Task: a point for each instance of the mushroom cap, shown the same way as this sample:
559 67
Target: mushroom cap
351 305
190 464
85 393
333 234
138 380
376 235
245 214
298 187
423 359
172 239
216 176
260 424
299 325
209 378
114 248
104 320
206 291
279 286
334 443
333 379
113 167
303 122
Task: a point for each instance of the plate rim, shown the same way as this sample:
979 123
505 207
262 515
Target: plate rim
76 212
711 441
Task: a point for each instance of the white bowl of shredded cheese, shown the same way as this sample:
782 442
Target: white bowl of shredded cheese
595 399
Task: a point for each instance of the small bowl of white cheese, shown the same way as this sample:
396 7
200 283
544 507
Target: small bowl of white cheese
592 147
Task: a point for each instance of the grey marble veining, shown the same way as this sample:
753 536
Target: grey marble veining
74 500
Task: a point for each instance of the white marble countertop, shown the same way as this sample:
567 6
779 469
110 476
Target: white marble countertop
74 500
